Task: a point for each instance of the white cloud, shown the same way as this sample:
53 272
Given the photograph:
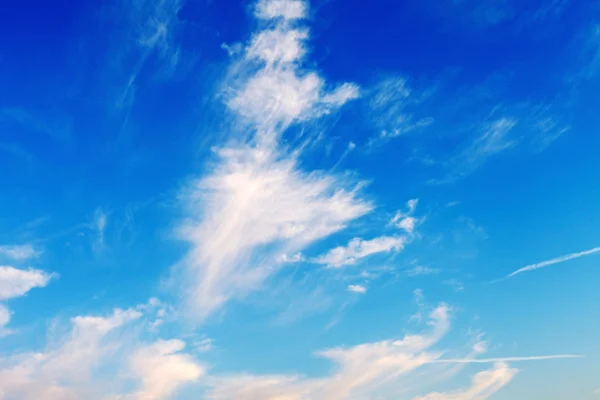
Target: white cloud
16 282
245 219
407 224
358 248
256 204
405 219
162 369
19 252
277 45
412 205
268 86
340 96
286 9
553 261
357 289
483 385
99 356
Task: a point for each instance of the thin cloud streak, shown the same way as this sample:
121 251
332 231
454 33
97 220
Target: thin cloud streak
504 359
553 261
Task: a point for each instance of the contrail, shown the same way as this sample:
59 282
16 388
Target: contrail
554 261
503 359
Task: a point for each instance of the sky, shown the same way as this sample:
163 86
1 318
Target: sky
298 200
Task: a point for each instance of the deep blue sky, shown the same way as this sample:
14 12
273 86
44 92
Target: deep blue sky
247 199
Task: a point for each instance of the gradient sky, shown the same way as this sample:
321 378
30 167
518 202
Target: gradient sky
292 200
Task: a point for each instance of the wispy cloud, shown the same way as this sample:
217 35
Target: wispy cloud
361 370
392 107
151 30
483 385
496 128
375 370
494 138
256 203
20 252
358 249
553 261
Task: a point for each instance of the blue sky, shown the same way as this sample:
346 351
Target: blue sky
283 199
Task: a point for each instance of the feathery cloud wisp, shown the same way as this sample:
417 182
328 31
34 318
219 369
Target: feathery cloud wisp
391 104
360 369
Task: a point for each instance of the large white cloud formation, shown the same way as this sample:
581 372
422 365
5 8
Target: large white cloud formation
256 203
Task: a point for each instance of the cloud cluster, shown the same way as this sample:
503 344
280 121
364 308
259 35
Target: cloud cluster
254 212
99 355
